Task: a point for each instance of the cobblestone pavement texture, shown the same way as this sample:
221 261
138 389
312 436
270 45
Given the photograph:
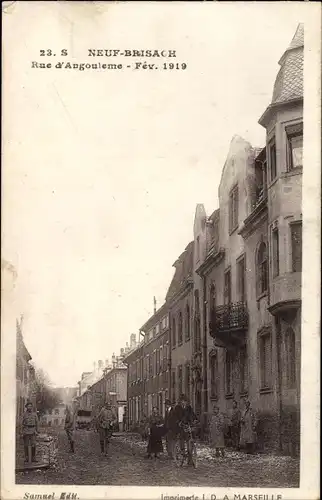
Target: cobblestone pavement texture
126 466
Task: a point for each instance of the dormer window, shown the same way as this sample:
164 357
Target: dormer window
272 160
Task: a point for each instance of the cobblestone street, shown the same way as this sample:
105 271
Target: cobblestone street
126 465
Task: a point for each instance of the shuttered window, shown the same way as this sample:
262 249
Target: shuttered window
265 345
295 146
296 237
276 255
187 323
180 379
180 329
227 290
243 369
174 333
213 376
262 269
229 373
187 380
290 358
241 270
272 160
233 209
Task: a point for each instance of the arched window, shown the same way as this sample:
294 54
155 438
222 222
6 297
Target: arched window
187 325
262 269
174 333
290 357
180 328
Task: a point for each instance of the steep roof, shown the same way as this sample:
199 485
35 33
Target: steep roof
289 80
184 268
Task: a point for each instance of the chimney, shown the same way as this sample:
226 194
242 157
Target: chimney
100 364
154 305
122 352
106 363
113 360
94 367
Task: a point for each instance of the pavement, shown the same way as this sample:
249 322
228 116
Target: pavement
126 465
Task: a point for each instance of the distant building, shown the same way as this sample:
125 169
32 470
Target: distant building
179 300
54 417
25 374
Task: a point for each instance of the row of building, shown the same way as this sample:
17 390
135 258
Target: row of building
230 326
12 325
107 382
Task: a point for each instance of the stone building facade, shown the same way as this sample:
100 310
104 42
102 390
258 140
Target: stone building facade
252 279
234 303
149 368
179 300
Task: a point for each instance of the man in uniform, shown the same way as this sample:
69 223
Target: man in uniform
70 427
106 420
29 432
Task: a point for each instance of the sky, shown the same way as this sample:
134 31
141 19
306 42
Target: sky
104 170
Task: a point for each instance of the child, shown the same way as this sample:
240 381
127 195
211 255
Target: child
216 432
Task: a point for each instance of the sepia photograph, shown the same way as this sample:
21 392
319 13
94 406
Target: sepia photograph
155 237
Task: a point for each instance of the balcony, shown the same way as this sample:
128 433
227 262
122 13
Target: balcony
228 324
285 294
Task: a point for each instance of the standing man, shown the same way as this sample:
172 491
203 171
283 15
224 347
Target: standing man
29 432
170 423
106 420
248 428
235 426
70 427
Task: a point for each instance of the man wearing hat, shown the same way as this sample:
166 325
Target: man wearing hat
170 423
29 432
185 417
106 419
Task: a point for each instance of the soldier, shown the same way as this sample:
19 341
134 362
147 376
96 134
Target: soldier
29 432
70 427
106 420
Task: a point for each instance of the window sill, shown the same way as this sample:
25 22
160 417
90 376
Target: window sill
173 347
230 395
213 398
261 296
187 339
266 390
243 394
180 344
293 171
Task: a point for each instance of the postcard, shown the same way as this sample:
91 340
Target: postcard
161 250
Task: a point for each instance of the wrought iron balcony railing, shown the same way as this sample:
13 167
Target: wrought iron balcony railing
229 317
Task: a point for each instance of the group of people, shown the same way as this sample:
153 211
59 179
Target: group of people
242 428
175 426
105 421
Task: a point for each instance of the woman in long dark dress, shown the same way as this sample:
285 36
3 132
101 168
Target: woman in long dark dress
156 431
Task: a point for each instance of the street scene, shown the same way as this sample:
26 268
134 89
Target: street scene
158 336
126 464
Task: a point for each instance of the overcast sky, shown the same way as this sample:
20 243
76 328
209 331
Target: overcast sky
106 168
